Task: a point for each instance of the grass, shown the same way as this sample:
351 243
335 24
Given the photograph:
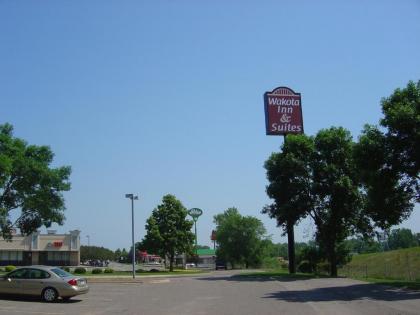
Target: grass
401 265
397 268
280 274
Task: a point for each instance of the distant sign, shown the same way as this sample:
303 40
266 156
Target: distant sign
195 213
213 235
283 112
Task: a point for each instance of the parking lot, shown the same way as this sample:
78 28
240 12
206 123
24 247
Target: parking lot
220 293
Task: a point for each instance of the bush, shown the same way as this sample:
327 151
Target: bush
108 270
323 267
305 267
9 268
65 269
96 271
80 270
271 263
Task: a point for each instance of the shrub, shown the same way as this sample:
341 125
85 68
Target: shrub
96 271
323 267
9 268
271 263
65 269
80 270
108 270
305 267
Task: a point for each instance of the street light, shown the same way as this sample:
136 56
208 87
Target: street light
88 237
132 197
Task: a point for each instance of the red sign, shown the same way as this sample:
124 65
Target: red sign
213 235
283 112
58 243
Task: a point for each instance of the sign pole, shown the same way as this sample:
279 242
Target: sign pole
283 116
291 241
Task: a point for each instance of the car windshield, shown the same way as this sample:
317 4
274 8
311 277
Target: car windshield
61 273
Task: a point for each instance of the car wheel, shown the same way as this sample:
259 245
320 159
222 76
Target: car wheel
49 295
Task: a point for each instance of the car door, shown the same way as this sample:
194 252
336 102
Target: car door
12 283
36 281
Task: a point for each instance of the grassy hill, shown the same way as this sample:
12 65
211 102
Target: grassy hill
402 264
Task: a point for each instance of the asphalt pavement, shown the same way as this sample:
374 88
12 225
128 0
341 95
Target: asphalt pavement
223 293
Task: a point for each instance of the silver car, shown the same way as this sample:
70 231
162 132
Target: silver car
47 282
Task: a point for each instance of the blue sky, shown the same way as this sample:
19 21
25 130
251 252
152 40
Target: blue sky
157 97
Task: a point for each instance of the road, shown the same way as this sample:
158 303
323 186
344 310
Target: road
221 293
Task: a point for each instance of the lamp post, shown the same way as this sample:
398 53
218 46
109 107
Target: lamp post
132 197
88 237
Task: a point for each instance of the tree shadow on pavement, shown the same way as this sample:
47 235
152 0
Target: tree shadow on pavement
346 293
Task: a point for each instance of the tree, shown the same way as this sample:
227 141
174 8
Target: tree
402 119
29 185
338 202
239 238
289 175
96 252
168 232
389 161
401 238
362 245
317 177
124 256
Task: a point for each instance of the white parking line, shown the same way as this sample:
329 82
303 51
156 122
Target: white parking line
160 281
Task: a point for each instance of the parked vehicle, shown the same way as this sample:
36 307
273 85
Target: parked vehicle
47 282
220 264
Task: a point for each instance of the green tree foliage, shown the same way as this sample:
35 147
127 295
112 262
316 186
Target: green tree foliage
28 184
289 174
362 245
351 187
338 202
122 256
389 160
402 238
317 177
95 252
168 231
240 238
402 120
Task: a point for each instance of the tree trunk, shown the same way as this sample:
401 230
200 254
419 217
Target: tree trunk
332 258
171 262
291 247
